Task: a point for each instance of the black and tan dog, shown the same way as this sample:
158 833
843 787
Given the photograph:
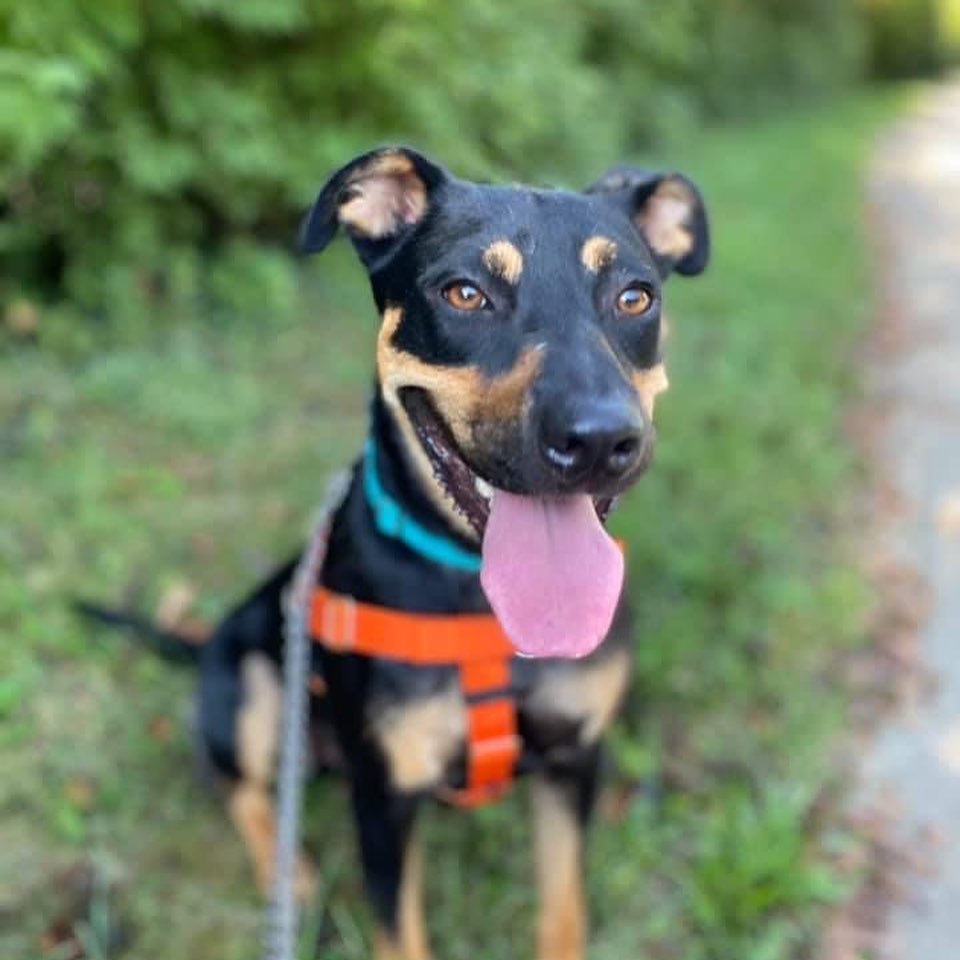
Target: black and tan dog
517 365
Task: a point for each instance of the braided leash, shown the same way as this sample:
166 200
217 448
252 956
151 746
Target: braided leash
280 940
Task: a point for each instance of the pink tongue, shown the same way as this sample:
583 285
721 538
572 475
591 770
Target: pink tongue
551 573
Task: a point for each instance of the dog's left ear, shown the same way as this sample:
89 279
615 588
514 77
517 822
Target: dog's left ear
668 211
378 198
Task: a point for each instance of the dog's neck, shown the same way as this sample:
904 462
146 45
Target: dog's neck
376 568
390 468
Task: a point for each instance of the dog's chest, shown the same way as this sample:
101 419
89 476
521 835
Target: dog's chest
560 708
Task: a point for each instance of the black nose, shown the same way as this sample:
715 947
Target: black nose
600 441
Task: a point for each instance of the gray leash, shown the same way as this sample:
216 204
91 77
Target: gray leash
280 941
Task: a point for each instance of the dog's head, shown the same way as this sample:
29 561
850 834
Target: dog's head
519 352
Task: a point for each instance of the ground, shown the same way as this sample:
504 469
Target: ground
189 455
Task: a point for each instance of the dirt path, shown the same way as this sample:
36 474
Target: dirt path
915 191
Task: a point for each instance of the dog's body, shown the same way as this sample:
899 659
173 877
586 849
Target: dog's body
519 351
400 731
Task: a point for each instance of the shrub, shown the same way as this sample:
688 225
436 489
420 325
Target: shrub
905 37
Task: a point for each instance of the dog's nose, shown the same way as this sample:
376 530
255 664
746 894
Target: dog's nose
600 441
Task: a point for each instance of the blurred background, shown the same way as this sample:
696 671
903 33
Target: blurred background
175 386
149 151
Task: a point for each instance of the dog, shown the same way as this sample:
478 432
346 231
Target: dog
517 366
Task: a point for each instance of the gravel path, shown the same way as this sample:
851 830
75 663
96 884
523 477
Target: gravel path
915 191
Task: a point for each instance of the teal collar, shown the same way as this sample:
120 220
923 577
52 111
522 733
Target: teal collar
393 521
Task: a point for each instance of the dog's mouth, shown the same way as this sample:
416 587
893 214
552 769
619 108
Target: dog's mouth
549 569
471 494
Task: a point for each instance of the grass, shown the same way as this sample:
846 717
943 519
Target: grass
196 454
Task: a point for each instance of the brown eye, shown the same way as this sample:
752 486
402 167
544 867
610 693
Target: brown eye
464 296
635 300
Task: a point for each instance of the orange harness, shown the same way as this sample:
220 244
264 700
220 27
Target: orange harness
473 642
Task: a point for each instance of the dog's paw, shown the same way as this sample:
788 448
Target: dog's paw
305 880
385 948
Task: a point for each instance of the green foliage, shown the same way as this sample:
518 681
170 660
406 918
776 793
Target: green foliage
752 868
908 38
759 56
137 141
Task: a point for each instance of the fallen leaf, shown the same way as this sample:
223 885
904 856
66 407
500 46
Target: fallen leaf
81 792
22 318
61 939
948 515
174 605
161 728
948 748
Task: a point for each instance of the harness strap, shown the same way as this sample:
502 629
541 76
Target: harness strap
427 639
493 749
475 643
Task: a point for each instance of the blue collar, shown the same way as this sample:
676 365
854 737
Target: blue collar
393 521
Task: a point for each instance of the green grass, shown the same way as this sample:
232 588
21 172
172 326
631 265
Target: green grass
196 453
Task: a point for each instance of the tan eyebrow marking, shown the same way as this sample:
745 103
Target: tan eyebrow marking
503 259
598 252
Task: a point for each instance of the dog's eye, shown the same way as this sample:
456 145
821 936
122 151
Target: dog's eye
464 296
634 300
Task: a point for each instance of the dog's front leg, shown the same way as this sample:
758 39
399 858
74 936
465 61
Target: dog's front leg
256 738
563 799
390 857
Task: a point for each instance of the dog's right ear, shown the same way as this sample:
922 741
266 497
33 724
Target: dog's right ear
668 211
378 198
